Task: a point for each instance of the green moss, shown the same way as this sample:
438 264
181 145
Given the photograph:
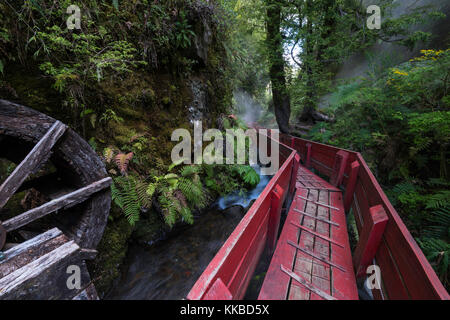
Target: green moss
111 252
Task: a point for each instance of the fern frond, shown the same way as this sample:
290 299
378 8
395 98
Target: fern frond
188 171
438 200
126 197
123 160
193 191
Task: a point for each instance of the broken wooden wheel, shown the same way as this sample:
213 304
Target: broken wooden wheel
76 187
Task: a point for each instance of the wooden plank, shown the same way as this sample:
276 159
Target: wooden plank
24 253
317 218
317 234
350 187
308 155
66 201
312 254
304 262
369 240
276 283
274 217
37 156
390 277
344 283
46 275
417 273
310 287
321 273
340 163
320 203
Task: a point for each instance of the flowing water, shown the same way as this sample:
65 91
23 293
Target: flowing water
168 270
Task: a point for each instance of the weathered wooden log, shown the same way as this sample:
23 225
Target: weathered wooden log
38 155
77 165
47 277
65 201
27 251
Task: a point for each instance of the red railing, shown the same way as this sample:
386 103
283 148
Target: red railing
405 272
228 274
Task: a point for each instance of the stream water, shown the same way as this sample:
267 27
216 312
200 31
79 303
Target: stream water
169 269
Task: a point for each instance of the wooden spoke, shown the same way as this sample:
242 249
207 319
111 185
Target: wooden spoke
66 201
31 163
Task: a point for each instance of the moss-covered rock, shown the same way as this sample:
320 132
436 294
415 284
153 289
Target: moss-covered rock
105 269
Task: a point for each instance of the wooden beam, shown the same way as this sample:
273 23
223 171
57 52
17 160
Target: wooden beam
340 162
370 239
308 155
315 217
306 284
46 277
317 234
26 252
66 201
351 184
37 156
274 219
312 254
319 203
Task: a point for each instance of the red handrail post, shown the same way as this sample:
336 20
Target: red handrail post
340 163
295 167
351 184
308 155
370 239
274 218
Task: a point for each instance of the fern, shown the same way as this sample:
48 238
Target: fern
124 194
440 224
122 161
248 174
438 200
437 252
193 191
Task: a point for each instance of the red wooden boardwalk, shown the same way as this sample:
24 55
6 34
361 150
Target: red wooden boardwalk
312 259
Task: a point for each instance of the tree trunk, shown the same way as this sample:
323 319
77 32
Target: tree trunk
313 59
281 99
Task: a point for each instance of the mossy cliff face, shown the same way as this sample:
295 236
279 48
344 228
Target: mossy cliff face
132 106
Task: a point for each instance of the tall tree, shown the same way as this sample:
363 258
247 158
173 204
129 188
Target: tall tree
274 40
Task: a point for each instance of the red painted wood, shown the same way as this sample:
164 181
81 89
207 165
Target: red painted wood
344 282
340 163
276 283
350 186
392 283
294 174
418 275
369 240
237 259
404 262
308 155
218 291
274 217
405 271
